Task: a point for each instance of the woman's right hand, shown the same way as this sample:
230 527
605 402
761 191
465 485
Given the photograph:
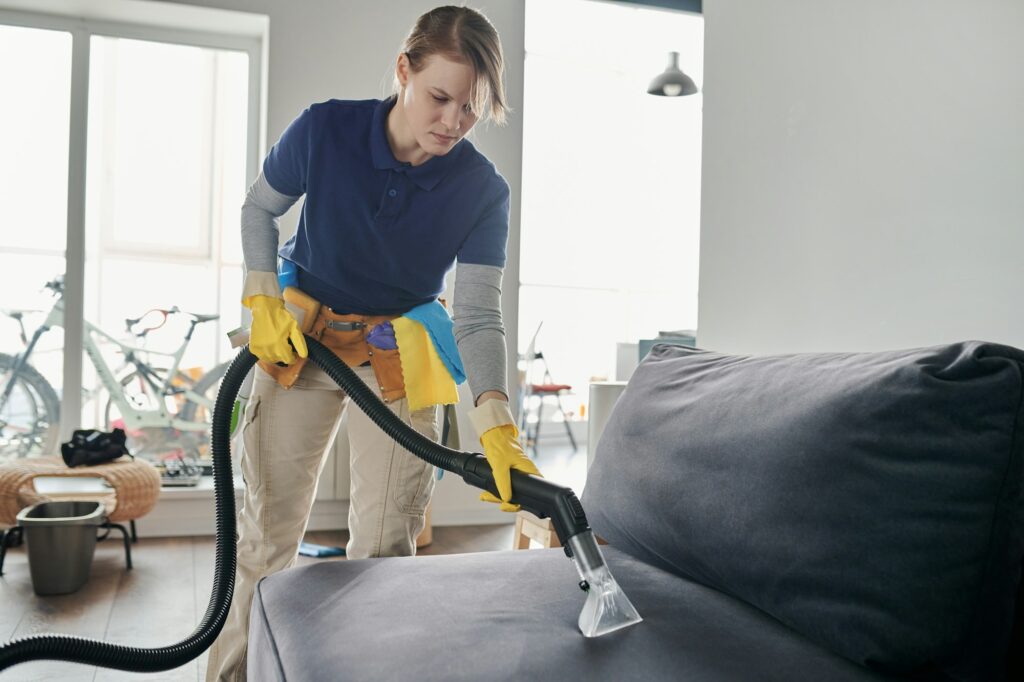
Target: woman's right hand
272 329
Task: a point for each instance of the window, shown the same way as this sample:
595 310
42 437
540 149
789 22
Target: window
611 183
166 174
140 204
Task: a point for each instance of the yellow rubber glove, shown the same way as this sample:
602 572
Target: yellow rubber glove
500 438
272 328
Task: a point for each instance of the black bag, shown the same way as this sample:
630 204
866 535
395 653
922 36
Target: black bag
89 447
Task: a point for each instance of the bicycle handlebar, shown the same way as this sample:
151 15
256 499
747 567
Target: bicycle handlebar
196 319
56 285
131 322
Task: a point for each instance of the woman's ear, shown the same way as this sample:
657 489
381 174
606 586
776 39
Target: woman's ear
402 69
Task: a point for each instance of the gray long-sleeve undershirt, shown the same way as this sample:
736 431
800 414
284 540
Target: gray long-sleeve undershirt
476 303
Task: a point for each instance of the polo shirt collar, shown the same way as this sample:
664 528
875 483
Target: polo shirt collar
426 175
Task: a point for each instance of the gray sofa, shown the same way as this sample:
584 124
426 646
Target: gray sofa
804 517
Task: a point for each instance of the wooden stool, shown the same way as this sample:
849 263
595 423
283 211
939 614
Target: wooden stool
135 487
530 527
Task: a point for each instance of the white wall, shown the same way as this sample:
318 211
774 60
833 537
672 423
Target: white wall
863 180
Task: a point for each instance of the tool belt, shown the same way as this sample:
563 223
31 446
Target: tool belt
345 336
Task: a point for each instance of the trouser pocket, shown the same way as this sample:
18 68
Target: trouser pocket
415 477
251 442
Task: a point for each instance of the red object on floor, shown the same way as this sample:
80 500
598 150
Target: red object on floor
549 388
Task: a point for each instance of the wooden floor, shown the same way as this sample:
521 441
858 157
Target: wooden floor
157 603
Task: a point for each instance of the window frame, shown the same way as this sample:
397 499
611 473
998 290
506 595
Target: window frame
82 29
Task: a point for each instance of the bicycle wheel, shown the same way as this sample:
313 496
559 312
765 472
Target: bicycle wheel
30 418
207 386
147 442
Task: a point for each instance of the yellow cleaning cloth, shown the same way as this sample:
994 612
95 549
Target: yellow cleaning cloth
427 380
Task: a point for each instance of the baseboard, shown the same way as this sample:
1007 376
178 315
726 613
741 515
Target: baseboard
182 516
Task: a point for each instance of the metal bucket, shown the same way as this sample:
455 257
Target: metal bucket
61 539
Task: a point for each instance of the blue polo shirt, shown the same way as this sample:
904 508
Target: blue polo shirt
377 235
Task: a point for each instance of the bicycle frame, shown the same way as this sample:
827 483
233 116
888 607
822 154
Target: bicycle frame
133 418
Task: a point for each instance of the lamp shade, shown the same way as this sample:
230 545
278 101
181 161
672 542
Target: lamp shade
672 82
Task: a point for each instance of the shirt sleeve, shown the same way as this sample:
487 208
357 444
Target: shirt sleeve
478 327
486 243
286 166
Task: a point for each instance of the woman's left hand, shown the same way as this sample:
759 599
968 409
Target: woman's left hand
504 453
500 438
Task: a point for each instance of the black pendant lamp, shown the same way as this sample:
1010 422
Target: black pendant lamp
672 82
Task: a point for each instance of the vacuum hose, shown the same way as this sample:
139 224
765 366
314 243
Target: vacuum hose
138 659
541 497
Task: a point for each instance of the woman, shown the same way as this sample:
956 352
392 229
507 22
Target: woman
394 197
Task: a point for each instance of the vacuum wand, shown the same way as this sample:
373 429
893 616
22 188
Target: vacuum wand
532 493
607 608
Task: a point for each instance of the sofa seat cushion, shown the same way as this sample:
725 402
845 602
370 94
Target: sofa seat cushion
871 501
512 616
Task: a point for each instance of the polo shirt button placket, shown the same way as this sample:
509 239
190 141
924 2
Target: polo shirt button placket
390 202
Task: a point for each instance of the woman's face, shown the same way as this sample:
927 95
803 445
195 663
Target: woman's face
436 102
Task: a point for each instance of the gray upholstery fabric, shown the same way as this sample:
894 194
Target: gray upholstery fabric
870 501
512 616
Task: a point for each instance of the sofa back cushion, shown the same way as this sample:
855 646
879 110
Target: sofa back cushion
870 501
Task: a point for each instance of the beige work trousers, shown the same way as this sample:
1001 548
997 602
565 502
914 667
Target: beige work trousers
285 435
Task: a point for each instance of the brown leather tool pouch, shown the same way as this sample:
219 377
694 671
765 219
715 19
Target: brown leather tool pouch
387 365
345 335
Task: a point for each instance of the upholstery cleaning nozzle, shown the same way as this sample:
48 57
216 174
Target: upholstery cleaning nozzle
607 608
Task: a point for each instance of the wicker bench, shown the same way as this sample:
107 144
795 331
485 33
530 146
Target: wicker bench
134 483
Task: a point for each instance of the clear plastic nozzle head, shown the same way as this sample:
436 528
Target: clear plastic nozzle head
607 608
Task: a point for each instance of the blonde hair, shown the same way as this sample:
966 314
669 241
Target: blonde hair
465 35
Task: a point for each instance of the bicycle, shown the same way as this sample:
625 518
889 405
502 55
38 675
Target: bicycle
159 407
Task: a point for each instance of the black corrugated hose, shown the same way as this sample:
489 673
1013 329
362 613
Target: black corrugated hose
138 659
534 493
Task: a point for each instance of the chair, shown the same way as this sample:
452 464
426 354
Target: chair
543 390
530 527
